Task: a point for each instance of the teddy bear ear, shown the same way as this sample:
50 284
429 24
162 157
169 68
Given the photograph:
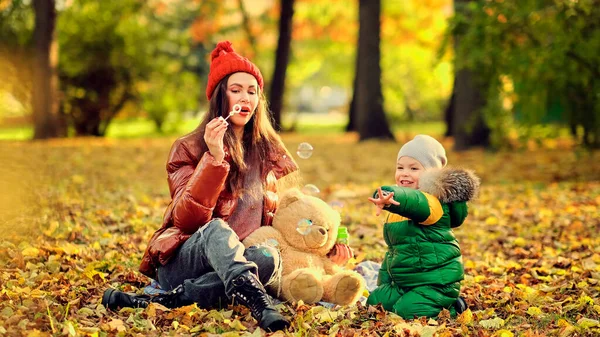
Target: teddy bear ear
290 196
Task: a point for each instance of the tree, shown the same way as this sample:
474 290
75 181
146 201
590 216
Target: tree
44 93
133 53
281 61
449 111
535 64
466 114
371 121
351 126
16 35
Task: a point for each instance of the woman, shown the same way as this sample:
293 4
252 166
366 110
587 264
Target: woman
222 178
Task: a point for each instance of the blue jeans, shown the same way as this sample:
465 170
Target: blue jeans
210 259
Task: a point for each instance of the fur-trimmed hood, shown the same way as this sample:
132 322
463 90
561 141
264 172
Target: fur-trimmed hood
450 184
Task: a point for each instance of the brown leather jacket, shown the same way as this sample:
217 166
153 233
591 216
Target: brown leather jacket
199 194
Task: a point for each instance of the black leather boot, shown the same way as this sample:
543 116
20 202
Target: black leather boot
460 305
115 299
175 298
172 299
248 291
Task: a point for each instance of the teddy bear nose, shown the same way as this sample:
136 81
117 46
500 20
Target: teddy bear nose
322 231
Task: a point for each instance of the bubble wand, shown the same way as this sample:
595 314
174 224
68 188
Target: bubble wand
236 110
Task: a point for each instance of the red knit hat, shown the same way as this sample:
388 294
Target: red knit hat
224 61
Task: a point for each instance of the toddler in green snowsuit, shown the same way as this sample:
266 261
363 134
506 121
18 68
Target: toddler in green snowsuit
422 269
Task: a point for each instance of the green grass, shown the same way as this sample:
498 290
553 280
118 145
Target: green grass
16 133
144 128
303 124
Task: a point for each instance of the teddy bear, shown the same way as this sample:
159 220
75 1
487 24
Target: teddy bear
304 230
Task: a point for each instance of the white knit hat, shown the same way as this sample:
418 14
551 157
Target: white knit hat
426 150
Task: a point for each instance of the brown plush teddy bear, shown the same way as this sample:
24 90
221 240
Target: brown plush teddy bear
305 230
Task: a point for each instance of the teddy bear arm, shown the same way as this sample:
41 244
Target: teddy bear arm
262 235
330 267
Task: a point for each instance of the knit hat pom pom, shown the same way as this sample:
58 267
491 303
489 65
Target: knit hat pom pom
221 48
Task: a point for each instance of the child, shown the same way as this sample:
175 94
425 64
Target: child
422 269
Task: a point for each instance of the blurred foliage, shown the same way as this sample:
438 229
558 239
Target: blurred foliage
76 218
129 51
540 61
152 55
415 82
16 28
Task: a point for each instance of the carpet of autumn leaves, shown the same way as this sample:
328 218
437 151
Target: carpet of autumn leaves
76 214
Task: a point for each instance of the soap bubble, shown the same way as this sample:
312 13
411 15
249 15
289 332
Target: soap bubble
305 150
304 226
310 189
273 243
266 253
336 204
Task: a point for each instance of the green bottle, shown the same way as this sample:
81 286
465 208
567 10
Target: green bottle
343 236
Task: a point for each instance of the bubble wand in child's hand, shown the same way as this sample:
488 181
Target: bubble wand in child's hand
236 110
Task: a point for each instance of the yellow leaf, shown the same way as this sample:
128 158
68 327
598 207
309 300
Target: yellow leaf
587 323
497 270
494 323
117 324
466 317
36 293
492 220
37 333
520 242
478 278
71 329
534 311
586 300
51 228
237 325
327 315
508 290
583 285
31 252
503 333
69 248
151 311
78 179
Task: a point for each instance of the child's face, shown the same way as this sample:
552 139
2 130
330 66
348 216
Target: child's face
408 171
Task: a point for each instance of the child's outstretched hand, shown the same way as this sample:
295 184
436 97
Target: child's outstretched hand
383 199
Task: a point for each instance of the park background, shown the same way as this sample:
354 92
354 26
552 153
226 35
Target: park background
93 93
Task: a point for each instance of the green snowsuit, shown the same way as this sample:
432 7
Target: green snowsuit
422 269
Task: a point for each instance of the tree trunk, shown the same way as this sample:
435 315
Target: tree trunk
468 126
351 126
449 111
45 81
281 61
352 112
371 121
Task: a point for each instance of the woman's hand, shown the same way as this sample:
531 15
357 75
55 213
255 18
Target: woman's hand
340 254
213 136
383 199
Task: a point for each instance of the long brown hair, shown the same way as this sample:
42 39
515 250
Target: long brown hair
258 140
